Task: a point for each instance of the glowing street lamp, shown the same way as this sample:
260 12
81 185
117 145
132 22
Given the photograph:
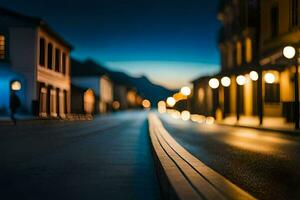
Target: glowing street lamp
253 75
225 81
290 52
185 115
171 101
214 83
186 91
270 78
241 80
16 86
146 104
162 107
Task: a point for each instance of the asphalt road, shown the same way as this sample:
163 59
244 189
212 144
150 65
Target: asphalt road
266 164
108 158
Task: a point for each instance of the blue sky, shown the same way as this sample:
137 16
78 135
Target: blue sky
169 41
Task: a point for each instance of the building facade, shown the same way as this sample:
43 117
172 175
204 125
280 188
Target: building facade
279 28
255 79
92 89
34 55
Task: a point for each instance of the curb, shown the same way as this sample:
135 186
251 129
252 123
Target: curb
289 132
183 176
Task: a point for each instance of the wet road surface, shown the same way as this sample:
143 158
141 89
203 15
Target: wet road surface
266 164
108 158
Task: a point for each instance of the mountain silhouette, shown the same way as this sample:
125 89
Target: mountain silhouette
144 87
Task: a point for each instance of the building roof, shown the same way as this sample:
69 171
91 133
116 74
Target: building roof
36 21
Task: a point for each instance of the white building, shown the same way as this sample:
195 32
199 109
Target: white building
36 56
86 77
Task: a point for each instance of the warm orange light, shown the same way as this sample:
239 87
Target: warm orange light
146 104
131 97
162 107
171 101
210 120
214 83
253 75
185 115
241 80
116 105
186 91
175 114
89 101
16 85
225 81
289 52
270 78
179 96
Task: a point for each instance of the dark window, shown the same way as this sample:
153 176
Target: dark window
50 55
2 47
64 63
57 60
293 13
42 51
272 93
274 21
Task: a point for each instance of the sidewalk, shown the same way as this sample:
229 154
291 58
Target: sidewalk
6 118
69 117
269 123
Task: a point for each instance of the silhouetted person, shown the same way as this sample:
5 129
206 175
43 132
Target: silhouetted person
14 104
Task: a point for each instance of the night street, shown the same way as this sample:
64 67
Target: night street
108 158
266 164
150 100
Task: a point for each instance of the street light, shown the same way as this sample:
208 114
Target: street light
162 107
186 91
16 86
290 52
146 104
171 101
225 81
185 115
214 83
241 80
253 75
270 78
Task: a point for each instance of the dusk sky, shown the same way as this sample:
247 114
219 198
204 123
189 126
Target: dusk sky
169 41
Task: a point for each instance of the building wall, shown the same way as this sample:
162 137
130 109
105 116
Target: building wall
106 94
120 95
56 76
232 91
271 49
23 57
22 35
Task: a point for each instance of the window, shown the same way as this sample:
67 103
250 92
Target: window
272 93
57 60
64 63
50 55
239 53
2 47
248 44
274 21
42 51
294 13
